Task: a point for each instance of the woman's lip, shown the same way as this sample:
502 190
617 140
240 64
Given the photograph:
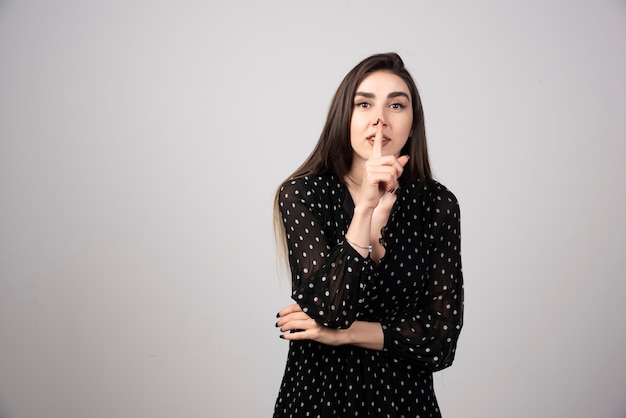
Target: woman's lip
385 141
371 138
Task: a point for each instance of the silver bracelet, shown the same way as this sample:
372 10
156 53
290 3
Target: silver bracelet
368 248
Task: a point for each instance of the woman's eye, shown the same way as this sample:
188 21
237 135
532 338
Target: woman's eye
397 106
362 105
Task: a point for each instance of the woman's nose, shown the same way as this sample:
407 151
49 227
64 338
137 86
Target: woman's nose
379 120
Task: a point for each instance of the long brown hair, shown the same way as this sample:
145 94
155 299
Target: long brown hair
333 152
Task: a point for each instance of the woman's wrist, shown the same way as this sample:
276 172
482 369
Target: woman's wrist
367 248
363 210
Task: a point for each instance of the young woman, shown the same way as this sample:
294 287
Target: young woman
373 244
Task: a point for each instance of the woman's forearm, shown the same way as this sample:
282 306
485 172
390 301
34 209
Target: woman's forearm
359 232
364 334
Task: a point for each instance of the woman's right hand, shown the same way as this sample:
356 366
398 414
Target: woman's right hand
381 173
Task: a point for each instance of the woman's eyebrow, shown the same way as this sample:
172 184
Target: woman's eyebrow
391 95
398 94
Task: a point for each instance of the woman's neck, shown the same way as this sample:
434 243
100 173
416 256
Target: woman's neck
354 177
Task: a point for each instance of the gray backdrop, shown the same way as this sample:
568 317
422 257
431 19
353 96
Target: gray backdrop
141 143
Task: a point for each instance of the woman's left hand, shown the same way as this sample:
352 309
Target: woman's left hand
295 325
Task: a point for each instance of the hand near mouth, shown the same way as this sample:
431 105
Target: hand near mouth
381 172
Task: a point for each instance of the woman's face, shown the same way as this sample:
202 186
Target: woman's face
386 96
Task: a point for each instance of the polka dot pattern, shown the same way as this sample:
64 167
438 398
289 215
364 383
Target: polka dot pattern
415 292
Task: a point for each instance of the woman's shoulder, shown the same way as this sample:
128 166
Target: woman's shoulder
430 192
312 184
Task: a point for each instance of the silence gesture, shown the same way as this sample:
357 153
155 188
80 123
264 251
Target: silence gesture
381 171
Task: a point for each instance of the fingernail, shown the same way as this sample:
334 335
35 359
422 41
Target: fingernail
278 315
281 336
276 324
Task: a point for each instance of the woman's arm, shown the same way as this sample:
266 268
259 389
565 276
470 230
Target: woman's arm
427 335
327 273
296 325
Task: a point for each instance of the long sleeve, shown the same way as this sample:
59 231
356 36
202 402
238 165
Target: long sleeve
426 335
328 275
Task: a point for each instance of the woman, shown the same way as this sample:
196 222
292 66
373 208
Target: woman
373 244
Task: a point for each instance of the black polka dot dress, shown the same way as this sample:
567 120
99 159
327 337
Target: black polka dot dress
415 292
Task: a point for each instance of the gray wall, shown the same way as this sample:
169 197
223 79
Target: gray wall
141 143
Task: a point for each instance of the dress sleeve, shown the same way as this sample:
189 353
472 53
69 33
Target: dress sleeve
427 337
328 276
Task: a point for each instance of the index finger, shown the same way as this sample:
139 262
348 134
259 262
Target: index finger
294 307
377 150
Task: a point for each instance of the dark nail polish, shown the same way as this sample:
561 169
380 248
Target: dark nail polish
278 315
276 324
282 336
